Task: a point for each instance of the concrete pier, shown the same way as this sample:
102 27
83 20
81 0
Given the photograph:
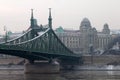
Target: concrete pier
41 68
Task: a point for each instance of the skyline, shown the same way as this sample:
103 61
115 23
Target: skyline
15 15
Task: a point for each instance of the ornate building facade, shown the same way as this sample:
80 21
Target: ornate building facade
86 39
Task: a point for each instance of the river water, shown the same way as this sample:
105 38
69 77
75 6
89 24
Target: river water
63 75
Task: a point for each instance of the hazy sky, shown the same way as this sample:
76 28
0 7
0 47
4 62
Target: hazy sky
15 14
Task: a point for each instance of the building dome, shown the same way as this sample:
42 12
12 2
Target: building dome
106 29
106 26
85 23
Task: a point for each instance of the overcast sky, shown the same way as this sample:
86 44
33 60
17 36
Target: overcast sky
15 14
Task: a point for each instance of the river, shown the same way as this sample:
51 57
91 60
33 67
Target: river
63 75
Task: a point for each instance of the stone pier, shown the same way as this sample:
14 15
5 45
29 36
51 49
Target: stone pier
41 68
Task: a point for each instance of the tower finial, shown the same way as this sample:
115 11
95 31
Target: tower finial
32 19
49 12
50 19
31 13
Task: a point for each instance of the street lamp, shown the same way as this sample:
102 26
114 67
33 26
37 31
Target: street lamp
5 29
91 52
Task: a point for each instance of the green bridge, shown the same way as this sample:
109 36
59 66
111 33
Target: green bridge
40 43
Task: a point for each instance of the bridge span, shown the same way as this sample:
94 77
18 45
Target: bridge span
40 43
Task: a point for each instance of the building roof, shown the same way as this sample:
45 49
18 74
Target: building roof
85 23
59 29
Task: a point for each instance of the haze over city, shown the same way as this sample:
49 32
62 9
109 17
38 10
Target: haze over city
15 14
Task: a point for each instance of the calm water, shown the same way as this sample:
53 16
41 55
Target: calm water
65 75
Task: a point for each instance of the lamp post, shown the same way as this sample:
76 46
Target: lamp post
91 52
5 29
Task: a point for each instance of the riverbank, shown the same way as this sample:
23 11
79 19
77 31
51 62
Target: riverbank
20 68
101 60
98 68
11 67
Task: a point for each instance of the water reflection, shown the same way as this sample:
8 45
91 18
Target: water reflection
76 75
64 75
42 77
92 75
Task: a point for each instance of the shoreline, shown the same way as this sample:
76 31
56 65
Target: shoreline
97 68
76 68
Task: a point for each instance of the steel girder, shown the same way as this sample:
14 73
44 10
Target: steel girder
46 44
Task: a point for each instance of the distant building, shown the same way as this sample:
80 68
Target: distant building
81 41
15 35
10 36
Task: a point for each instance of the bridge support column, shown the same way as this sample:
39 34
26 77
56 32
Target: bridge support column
41 67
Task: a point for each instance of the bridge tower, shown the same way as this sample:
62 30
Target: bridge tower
42 67
50 26
33 25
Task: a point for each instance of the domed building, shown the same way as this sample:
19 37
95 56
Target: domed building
87 39
89 35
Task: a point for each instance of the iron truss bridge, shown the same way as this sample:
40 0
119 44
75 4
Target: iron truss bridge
45 46
39 43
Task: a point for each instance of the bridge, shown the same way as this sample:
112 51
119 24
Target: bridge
40 43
